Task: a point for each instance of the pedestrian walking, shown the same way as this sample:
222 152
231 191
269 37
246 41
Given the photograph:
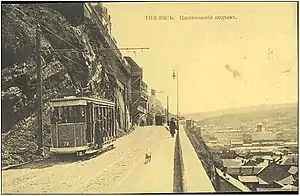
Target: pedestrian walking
172 127
98 137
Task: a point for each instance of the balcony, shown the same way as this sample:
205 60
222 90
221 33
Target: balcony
144 88
136 72
141 109
144 85
126 65
144 96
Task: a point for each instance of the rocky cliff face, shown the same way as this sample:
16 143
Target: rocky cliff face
64 72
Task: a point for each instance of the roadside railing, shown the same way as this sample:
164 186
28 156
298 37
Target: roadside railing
194 176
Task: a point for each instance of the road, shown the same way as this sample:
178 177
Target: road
121 170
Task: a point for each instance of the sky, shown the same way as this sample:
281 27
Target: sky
222 64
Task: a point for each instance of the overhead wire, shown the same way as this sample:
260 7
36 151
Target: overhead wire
85 50
79 50
110 73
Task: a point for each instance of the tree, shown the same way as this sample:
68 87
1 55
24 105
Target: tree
153 91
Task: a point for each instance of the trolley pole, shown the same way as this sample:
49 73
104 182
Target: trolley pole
39 92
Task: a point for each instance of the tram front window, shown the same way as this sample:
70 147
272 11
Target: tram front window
68 114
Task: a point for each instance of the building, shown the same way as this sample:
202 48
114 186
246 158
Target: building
236 143
252 182
117 69
247 138
199 131
155 107
273 172
236 171
228 136
263 136
113 57
288 161
271 175
139 93
260 134
226 183
259 128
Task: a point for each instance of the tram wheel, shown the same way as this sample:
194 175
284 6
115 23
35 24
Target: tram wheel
80 153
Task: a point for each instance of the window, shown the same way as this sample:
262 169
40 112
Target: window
68 114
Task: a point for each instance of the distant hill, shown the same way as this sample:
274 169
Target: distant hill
250 109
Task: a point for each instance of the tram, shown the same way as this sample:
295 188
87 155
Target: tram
73 124
159 119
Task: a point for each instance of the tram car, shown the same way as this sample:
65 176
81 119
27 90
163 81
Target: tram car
159 119
73 124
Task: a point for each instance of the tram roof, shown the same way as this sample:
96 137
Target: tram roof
73 101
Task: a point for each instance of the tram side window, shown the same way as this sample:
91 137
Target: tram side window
55 116
70 114
77 114
60 115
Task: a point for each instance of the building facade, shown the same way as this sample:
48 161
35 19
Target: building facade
263 136
117 68
228 136
139 93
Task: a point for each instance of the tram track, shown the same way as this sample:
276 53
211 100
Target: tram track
31 177
117 176
52 159
87 186
44 164
79 176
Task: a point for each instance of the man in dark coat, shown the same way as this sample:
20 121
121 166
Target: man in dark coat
172 127
98 137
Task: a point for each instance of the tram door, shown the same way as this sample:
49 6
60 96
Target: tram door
102 120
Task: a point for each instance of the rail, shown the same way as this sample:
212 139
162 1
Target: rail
136 71
141 109
194 176
144 95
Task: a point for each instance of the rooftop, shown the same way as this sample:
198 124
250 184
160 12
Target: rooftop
243 170
289 160
287 180
293 170
229 130
269 189
232 162
248 179
233 181
251 179
289 188
131 62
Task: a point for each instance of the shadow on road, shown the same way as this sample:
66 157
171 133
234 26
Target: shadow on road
60 160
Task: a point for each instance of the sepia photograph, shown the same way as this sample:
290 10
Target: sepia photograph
149 97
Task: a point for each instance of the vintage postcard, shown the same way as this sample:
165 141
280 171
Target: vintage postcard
149 97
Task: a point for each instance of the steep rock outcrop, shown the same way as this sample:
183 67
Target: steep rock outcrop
65 72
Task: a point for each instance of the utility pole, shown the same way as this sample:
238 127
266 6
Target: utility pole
174 76
39 97
177 101
167 109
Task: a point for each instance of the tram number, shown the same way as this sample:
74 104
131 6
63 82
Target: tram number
66 143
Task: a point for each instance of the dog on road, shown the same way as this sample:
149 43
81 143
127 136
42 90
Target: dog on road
148 156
